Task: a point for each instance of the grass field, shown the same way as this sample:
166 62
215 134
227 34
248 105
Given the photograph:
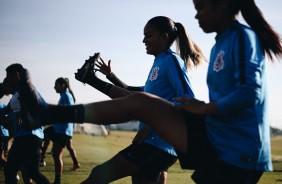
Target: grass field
93 150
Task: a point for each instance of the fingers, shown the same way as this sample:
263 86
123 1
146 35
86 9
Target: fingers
98 65
99 62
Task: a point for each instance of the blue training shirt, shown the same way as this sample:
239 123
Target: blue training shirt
164 81
18 131
237 81
65 128
3 131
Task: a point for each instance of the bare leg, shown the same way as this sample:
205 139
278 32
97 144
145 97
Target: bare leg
163 178
25 176
3 160
44 148
58 162
166 120
163 117
72 152
111 170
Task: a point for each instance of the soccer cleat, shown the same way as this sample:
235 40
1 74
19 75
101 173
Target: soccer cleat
86 68
75 167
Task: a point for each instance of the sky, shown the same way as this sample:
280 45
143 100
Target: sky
53 39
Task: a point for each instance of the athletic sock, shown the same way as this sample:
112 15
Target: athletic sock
36 112
65 113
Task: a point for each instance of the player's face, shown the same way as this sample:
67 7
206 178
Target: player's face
210 15
155 42
58 87
11 82
6 87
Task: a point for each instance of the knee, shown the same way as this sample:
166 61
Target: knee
57 157
140 99
96 175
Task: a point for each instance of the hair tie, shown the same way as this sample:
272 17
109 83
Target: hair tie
175 29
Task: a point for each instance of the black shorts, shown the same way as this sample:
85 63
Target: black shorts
207 167
60 139
149 159
198 145
48 133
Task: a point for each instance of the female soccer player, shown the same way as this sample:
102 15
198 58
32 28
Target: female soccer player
149 157
238 149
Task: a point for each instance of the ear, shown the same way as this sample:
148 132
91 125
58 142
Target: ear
17 75
164 36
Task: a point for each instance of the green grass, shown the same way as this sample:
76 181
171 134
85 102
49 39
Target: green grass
93 150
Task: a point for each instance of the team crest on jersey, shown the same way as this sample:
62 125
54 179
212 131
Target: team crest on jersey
219 62
154 73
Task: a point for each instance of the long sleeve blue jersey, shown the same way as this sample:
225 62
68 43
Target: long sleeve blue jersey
164 81
237 81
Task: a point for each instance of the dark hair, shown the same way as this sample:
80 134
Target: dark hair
16 67
187 49
2 90
66 83
270 40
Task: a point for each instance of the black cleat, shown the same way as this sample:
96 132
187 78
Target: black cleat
87 67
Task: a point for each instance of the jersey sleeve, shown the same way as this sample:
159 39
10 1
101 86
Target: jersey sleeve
249 88
116 81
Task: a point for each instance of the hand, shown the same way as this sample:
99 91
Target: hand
192 105
102 67
141 135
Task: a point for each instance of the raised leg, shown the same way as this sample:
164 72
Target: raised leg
163 117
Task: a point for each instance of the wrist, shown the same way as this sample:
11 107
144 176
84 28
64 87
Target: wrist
211 108
109 74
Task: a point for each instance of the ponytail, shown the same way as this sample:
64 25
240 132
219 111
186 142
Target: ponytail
66 82
187 49
69 88
270 40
